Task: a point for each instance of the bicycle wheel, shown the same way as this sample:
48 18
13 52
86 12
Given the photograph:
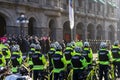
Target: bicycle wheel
69 77
111 75
116 72
94 77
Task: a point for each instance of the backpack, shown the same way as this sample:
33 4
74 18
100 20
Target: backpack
36 59
57 61
85 54
68 55
76 61
14 60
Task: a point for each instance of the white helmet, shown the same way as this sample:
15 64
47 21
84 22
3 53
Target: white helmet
15 48
78 49
57 43
69 44
32 45
7 45
103 45
52 45
73 43
116 43
86 44
38 47
58 47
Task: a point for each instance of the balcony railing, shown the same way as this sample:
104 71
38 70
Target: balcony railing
80 9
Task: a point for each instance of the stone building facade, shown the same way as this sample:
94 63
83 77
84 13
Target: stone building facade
94 19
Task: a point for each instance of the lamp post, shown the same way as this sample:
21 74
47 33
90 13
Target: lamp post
22 20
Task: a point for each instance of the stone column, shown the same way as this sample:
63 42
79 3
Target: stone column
59 29
105 33
95 31
85 30
59 34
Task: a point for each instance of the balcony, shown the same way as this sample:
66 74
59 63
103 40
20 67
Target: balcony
80 10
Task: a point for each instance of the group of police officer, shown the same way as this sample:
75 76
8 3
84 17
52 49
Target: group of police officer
59 63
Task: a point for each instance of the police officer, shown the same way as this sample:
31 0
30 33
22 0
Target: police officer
50 54
39 62
104 58
115 51
87 53
16 59
2 60
6 52
68 53
73 44
59 64
1 45
32 51
79 64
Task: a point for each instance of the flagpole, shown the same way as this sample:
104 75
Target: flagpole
71 17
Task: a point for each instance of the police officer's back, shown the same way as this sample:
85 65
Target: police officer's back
16 59
79 64
69 52
51 52
30 53
39 62
59 62
115 51
2 60
87 53
6 52
104 58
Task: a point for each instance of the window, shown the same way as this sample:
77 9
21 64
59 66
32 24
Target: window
36 1
98 7
90 5
65 3
112 10
48 2
80 2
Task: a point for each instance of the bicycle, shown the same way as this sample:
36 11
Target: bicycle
116 72
43 75
93 74
111 74
60 76
82 77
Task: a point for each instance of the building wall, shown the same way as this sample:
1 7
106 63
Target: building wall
87 12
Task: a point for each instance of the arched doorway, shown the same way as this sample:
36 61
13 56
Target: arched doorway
99 32
31 26
2 26
66 31
111 33
79 31
52 33
90 31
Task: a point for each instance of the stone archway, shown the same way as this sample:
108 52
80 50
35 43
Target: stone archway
79 31
111 33
90 31
31 26
66 32
99 32
52 33
2 26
